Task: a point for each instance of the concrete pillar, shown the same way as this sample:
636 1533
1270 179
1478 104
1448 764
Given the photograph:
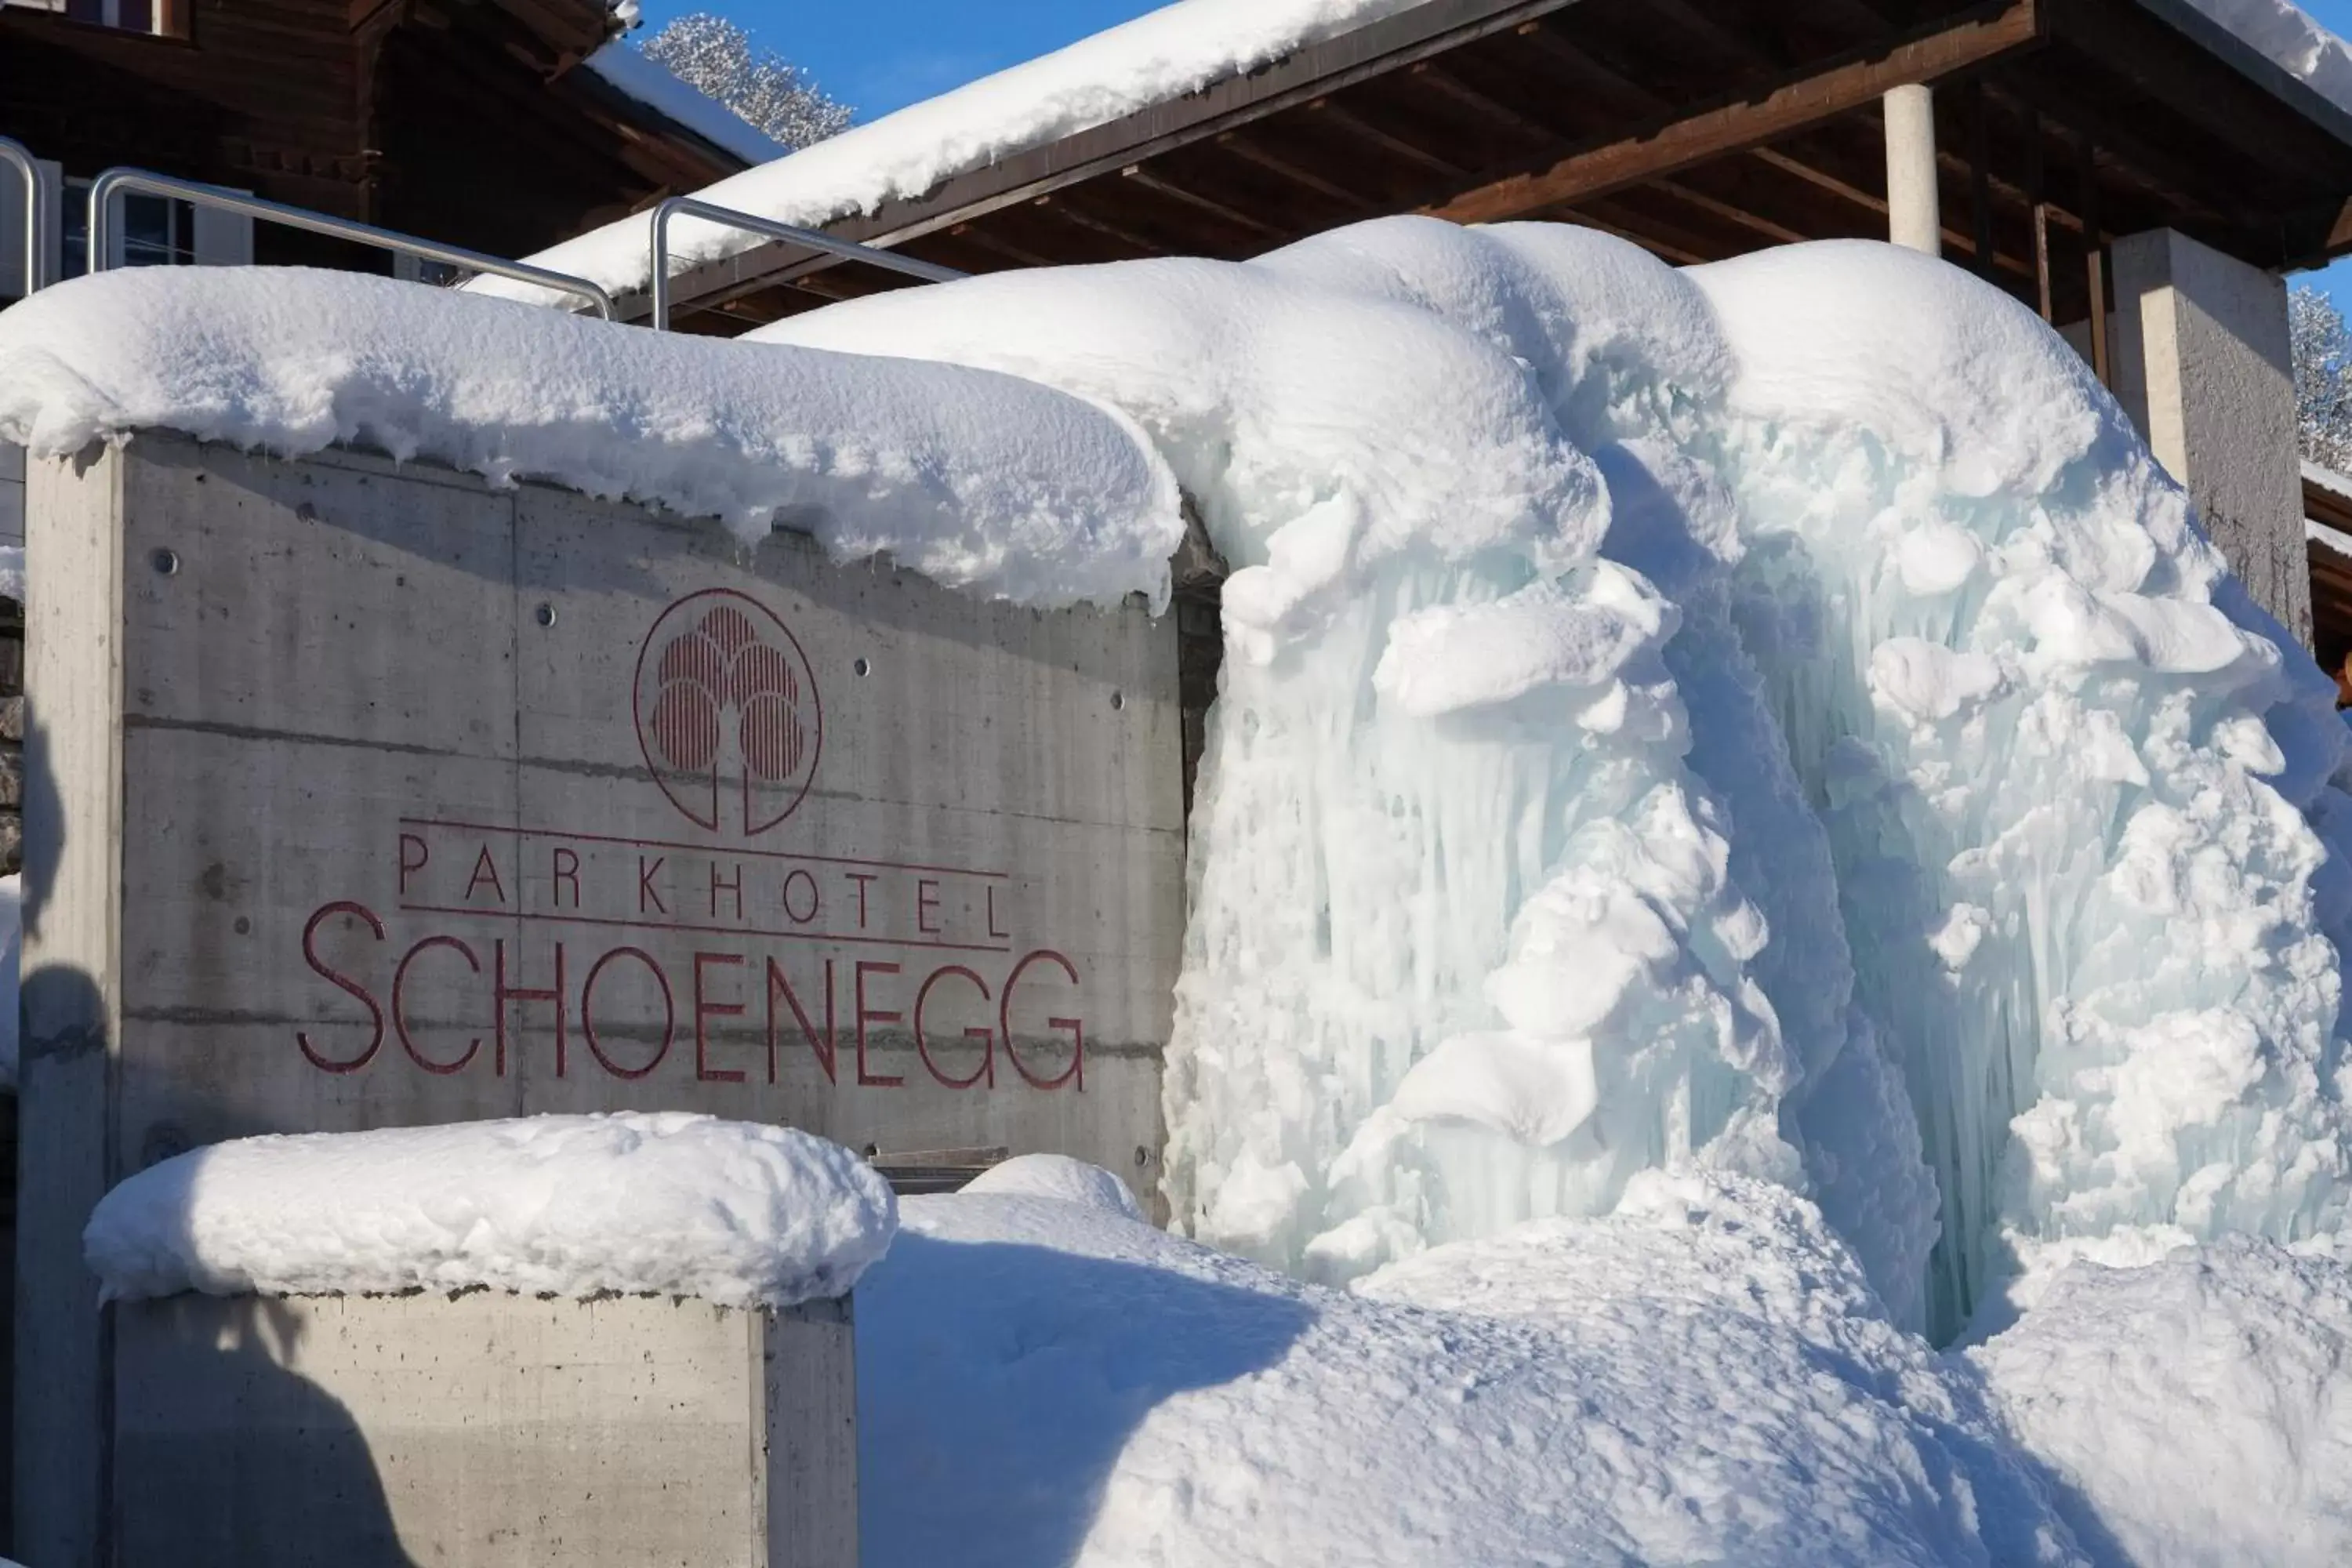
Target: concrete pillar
1914 217
2202 365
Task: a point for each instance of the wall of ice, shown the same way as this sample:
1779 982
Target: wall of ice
1774 717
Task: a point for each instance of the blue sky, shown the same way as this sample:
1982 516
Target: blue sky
881 55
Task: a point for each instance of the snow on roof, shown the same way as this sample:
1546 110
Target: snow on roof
652 84
1177 49
1157 57
2288 35
668 1204
975 479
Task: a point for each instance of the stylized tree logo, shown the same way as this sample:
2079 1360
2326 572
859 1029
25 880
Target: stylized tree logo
726 708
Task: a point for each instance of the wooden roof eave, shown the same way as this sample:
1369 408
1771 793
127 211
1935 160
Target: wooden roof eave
1421 33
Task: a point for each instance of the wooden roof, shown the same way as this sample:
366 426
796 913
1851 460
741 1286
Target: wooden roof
2331 581
1699 129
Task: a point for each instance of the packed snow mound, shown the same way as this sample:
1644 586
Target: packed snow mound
1164 55
1774 717
1060 1177
1703 1377
665 1203
2196 1411
976 481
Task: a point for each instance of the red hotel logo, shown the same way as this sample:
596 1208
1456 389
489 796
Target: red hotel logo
727 712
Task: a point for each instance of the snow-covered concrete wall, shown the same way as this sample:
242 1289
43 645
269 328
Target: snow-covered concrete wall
364 794
489 1428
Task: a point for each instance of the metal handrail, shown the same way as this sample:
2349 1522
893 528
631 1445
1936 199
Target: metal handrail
814 239
19 154
117 182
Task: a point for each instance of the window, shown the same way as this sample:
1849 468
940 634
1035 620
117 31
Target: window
165 18
156 231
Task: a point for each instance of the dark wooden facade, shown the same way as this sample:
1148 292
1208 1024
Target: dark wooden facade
465 120
1700 128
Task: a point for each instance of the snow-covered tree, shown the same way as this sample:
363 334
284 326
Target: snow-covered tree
2322 378
719 59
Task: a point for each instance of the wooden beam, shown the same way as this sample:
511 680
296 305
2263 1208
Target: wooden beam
981 240
1972 102
2095 261
1822 179
1250 150
1193 199
1779 234
1479 103
1658 248
1799 102
1621 94
1069 214
1363 129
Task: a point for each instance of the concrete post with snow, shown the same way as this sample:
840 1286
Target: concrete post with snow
579 1340
2202 365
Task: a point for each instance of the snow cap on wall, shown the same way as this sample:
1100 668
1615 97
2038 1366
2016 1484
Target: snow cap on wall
976 481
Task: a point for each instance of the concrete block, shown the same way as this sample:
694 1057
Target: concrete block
483 1430
359 795
2202 365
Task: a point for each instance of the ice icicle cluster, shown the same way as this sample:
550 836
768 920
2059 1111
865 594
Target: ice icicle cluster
1775 716
2063 765
1465 947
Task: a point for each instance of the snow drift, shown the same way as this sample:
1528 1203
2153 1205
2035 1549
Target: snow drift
1703 1377
670 1204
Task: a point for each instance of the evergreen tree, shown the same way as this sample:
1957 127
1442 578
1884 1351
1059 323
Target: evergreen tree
717 58
2322 378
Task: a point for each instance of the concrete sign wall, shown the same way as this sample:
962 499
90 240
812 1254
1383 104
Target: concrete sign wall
363 795
490 1430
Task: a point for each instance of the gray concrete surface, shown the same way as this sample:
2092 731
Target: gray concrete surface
488 1430
324 756
2202 365
12 493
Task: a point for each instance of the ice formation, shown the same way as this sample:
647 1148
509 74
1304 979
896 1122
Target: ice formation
985 482
1774 717
668 1204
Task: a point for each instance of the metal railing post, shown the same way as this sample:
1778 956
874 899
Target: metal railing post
116 183
814 239
36 249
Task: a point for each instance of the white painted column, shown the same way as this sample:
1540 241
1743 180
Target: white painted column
1914 217
2202 365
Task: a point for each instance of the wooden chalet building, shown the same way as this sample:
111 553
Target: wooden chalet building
475 122
2133 170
